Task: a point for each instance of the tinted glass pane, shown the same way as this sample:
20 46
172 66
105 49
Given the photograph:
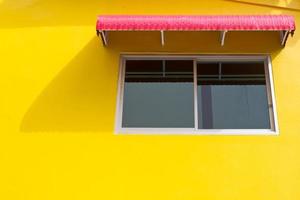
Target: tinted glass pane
158 94
232 95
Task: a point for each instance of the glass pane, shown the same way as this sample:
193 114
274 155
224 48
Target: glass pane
232 95
158 94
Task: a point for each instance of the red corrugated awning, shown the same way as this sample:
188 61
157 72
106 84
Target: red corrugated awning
224 23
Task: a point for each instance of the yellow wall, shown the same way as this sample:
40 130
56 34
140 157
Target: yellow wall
58 97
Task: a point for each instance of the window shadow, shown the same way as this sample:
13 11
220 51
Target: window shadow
80 97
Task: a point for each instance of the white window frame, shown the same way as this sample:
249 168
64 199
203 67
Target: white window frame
195 131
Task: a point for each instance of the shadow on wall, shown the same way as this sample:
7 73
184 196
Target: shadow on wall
80 97
197 42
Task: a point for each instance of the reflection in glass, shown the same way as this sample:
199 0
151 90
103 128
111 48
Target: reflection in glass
232 95
158 94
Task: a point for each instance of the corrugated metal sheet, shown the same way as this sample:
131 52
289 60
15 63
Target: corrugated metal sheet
195 23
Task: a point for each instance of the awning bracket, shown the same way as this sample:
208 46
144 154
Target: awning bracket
104 37
162 37
222 37
283 37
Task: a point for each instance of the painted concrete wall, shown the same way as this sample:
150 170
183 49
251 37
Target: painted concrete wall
58 97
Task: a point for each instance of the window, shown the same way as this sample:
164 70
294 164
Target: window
196 94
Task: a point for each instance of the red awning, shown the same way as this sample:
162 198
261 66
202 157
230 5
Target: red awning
224 23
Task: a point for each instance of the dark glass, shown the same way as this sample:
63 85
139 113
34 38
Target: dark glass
232 95
158 94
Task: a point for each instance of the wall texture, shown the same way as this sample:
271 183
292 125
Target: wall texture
58 97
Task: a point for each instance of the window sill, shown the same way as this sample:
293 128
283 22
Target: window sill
192 131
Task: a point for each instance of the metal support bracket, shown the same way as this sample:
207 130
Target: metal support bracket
222 37
162 37
104 37
283 37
